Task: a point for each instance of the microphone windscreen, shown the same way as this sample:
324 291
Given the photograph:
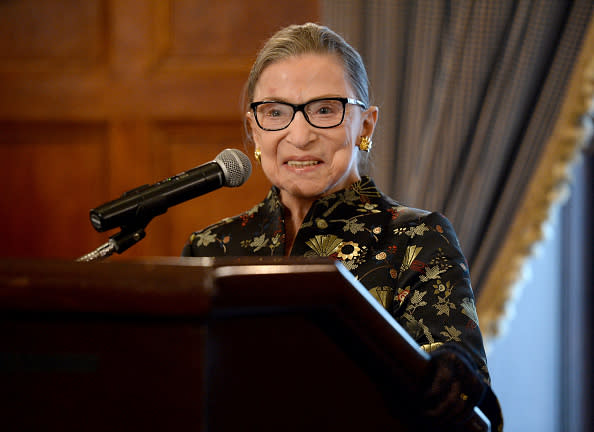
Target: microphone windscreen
236 167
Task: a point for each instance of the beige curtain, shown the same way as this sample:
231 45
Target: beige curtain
480 117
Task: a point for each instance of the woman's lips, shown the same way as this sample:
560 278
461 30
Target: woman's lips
302 164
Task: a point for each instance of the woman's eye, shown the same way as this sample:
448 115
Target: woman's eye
274 112
324 108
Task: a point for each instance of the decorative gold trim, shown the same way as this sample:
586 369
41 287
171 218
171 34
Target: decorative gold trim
548 187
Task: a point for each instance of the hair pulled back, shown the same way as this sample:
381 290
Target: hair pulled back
310 38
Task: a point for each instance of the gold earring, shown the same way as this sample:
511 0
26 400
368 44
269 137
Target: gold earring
258 155
365 144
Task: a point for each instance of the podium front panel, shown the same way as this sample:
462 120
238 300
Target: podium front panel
201 345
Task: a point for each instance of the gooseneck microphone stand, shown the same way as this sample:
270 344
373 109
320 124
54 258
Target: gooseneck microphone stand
127 237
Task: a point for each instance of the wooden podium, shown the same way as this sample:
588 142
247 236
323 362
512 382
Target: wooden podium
191 344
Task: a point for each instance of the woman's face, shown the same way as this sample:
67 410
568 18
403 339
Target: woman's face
305 162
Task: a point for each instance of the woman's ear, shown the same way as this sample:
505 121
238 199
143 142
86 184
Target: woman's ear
249 127
369 121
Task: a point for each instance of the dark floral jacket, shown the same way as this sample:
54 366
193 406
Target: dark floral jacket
409 259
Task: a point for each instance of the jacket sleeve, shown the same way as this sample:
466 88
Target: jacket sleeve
436 302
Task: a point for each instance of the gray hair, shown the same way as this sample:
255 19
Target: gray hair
310 38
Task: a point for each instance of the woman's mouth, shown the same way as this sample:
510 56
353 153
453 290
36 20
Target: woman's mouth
302 164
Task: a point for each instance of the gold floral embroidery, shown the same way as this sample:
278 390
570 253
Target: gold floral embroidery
417 328
440 286
350 264
321 223
204 239
259 242
368 207
348 250
275 241
431 273
418 230
416 301
353 226
451 334
444 305
402 294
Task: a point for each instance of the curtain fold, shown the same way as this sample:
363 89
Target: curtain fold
470 95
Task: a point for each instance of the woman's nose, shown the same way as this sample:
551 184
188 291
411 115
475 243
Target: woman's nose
300 132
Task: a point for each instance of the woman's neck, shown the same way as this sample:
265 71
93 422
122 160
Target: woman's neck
295 211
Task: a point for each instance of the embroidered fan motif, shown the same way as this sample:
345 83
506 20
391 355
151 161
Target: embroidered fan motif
384 294
409 256
469 310
365 188
324 245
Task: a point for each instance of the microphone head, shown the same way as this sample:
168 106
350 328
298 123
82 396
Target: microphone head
236 167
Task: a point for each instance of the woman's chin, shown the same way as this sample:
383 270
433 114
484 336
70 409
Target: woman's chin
310 189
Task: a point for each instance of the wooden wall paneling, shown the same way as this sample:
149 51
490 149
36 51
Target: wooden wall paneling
220 37
53 57
116 94
51 36
131 39
131 163
52 174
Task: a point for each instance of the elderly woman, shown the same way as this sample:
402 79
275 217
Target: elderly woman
310 121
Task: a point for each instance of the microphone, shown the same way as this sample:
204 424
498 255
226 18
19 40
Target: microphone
138 206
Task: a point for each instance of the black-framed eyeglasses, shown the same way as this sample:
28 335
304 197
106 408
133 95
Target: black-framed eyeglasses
321 113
